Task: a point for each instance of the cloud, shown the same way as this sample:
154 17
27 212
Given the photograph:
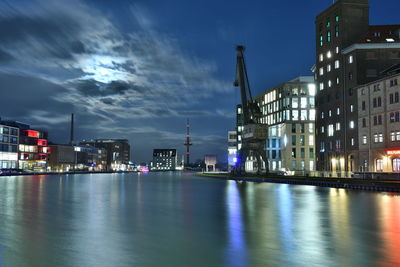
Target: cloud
87 64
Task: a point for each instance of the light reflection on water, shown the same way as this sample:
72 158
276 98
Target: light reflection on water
172 219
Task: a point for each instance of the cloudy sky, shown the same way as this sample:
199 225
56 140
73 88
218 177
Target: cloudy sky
138 69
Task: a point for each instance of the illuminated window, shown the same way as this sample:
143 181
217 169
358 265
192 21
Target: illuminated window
303 102
350 59
338 126
351 108
321 71
330 130
321 86
311 128
328 68
295 102
312 114
311 89
352 141
338 111
321 40
364 139
351 124
322 129
321 57
311 140
329 38
329 83
396 165
337 30
337 64
337 18
329 54
330 113
379 165
337 80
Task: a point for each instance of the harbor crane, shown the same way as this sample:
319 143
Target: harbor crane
254 134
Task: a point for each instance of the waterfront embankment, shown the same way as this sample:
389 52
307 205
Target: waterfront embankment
346 183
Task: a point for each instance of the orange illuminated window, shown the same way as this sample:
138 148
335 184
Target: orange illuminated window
42 142
32 133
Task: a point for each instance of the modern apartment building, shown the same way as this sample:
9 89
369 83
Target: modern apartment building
9 139
33 150
164 160
379 125
349 53
289 113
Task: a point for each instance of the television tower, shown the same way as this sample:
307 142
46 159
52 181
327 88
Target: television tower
187 143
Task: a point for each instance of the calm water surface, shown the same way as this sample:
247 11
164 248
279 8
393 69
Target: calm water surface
173 219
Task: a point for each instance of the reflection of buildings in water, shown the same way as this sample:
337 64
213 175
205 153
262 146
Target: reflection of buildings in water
339 218
389 207
237 248
285 213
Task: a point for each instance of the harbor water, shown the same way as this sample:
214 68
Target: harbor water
177 219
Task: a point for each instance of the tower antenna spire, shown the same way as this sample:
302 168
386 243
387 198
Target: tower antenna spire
187 143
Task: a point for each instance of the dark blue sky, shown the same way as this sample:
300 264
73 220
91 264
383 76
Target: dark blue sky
137 69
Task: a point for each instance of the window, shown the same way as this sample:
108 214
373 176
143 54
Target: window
337 50
379 165
363 105
375 138
293 140
328 36
364 123
397 136
380 138
351 124
350 59
321 57
374 103
350 76
321 86
330 113
321 71
391 99
321 40
302 153
337 80
392 136
302 140
328 23
295 102
311 152
352 141
302 128
303 115
293 128
329 83
322 115
303 102
351 108
363 91
337 64
396 165
393 82
293 152
364 139
328 54
312 114
396 97
377 87
328 68
337 18
338 126
337 30
322 129
311 128
311 140
330 130
295 115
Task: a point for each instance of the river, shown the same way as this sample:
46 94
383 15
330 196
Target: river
178 219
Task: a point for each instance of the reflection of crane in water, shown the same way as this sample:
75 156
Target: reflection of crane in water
254 133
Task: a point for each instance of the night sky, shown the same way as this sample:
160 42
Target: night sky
138 69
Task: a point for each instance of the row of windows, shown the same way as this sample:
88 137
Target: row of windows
302 153
8 130
302 128
302 140
8 148
378 138
331 128
393 82
8 139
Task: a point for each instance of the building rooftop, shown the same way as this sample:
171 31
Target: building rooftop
381 34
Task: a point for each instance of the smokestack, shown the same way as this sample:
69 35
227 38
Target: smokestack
71 136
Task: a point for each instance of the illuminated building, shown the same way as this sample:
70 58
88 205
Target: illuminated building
349 53
289 113
164 160
379 124
232 150
118 152
9 138
33 150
